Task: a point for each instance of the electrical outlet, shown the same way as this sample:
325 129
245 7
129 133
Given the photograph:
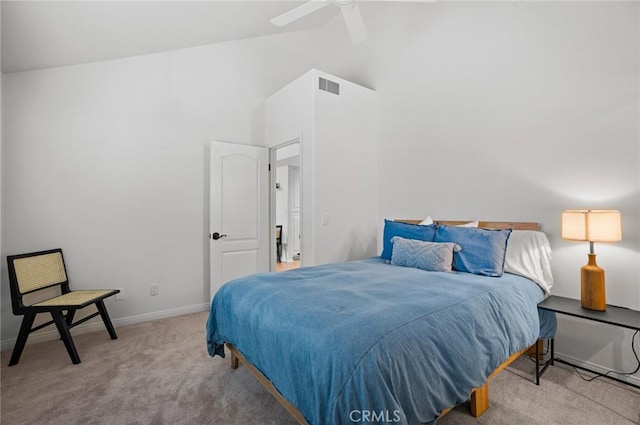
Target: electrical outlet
119 296
324 218
153 290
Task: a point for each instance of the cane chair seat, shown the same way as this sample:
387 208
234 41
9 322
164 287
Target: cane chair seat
75 298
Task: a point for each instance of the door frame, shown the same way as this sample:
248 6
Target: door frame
272 196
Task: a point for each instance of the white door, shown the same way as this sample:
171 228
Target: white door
239 212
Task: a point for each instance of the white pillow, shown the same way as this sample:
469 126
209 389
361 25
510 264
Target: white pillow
469 224
427 221
529 255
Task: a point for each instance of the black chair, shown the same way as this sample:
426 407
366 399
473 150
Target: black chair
279 243
35 271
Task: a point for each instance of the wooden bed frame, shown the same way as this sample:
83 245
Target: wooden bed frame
479 398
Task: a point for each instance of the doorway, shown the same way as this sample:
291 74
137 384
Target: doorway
286 211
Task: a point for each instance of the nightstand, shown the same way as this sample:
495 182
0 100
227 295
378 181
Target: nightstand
615 316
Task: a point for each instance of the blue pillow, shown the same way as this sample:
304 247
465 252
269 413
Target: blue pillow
430 256
404 230
483 250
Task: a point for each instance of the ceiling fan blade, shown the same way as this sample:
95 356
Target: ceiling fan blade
300 11
355 25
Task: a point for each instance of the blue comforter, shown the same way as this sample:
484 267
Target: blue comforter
351 342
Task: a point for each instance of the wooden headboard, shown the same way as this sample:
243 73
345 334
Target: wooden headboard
515 225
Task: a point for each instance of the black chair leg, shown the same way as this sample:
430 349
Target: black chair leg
63 329
25 329
105 318
69 317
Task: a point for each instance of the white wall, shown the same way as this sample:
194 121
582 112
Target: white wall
338 148
511 111
346 175
1 148
109 161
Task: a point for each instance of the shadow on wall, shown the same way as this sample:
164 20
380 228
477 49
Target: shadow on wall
360 248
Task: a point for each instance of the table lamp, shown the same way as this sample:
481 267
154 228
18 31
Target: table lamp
592 226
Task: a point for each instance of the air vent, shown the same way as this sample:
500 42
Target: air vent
329 86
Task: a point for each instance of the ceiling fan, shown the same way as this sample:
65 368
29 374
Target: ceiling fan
350 13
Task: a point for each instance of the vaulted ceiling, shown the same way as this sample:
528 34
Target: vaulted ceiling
43 34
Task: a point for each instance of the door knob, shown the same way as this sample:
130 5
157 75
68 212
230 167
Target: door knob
215 236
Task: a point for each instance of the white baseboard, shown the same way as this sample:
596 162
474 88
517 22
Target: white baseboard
96 324
597 368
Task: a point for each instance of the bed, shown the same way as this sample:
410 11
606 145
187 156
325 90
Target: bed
371 342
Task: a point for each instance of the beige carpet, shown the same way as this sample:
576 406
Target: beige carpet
160 373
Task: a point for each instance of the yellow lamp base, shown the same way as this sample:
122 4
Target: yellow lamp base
592 288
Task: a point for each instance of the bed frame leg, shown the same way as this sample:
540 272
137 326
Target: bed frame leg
235 361
480 400
531 352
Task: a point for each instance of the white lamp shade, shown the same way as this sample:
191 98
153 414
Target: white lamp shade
592 225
